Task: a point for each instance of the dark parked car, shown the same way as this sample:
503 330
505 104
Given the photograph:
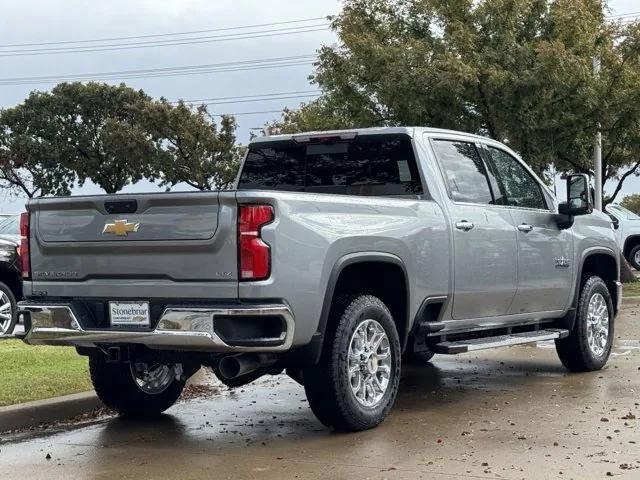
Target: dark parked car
10 273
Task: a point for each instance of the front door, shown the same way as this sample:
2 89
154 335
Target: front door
485 263
545 252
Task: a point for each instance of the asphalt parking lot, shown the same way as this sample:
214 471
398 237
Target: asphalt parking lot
512 413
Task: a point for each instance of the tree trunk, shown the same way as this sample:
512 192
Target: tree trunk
626 271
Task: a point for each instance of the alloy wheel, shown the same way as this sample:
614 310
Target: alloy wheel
597 324
6 313
369 366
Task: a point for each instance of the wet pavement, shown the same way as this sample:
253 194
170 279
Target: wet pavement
510 413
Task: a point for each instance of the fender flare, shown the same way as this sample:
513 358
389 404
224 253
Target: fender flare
588 252
316 344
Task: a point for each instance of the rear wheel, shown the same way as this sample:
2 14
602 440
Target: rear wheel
136 388
356 382
634 257
8 310
588 346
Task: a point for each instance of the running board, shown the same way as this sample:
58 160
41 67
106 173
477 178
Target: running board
472 344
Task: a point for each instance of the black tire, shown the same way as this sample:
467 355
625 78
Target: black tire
418 359
327 384
574 351
116 388
7 327
632 255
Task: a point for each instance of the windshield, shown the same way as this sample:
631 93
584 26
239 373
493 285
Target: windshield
10 225
621 211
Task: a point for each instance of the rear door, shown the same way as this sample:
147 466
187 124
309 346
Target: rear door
485 271
545 251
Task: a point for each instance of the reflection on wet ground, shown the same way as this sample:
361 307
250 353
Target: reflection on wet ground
511 413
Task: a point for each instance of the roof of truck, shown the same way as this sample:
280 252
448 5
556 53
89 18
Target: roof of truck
368 131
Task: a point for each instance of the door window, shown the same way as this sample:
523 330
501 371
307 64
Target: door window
516 185
464 171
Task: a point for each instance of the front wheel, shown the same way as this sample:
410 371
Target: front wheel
136 388
356 382
588 346
634 257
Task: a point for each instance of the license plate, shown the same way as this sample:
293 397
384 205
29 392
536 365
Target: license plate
129 314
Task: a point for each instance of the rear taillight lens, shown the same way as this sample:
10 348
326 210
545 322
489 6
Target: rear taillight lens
24 245
255 255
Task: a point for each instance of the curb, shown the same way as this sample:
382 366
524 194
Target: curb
631 301
32 414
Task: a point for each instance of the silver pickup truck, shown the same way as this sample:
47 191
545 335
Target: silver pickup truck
336 257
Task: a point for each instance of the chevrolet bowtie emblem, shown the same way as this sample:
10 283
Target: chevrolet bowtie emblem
120 228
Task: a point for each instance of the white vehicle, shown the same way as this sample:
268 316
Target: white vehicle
627 227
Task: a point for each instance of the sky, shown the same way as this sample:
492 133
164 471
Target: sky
36 21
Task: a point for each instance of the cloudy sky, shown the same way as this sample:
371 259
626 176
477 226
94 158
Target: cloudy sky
39 21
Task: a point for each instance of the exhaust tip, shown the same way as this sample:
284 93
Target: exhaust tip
229 367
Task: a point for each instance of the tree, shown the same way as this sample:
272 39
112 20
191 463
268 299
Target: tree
632 202
93 130
519 71
196 151
29 164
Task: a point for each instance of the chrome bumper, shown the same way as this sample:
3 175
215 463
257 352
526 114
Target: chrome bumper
179 328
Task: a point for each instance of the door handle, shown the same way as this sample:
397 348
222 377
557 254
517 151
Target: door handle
525 227
464 225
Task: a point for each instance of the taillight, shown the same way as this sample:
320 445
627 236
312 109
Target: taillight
255 255
24 245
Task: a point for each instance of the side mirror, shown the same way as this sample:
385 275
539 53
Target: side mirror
615 222
578 196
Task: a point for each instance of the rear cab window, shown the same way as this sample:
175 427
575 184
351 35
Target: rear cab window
371 165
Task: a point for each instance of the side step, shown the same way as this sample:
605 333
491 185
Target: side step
472 344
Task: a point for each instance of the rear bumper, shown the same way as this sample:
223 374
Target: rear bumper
179 328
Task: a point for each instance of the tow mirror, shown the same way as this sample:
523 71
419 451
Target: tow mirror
578 196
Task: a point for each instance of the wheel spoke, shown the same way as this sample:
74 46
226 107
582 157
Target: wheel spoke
369 363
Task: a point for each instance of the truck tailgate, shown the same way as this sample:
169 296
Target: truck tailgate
176 237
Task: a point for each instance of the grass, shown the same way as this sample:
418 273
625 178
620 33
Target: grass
631 289
34 373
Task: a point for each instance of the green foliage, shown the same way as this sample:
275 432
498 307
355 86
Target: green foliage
113 136
632 202
196 151
519 71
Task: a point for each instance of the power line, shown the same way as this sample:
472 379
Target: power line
256 64
191 32
262 99
246 113
622 15
242 97
165 43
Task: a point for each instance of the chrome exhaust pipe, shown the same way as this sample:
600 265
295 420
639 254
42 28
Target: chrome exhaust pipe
235 366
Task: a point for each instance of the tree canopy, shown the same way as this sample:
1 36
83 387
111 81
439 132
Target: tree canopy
196 151
632 202
519 71
113 136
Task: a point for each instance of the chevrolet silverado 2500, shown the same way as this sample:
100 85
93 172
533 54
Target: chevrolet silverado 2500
336 257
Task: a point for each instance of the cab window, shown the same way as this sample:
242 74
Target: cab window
517 187
464 171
